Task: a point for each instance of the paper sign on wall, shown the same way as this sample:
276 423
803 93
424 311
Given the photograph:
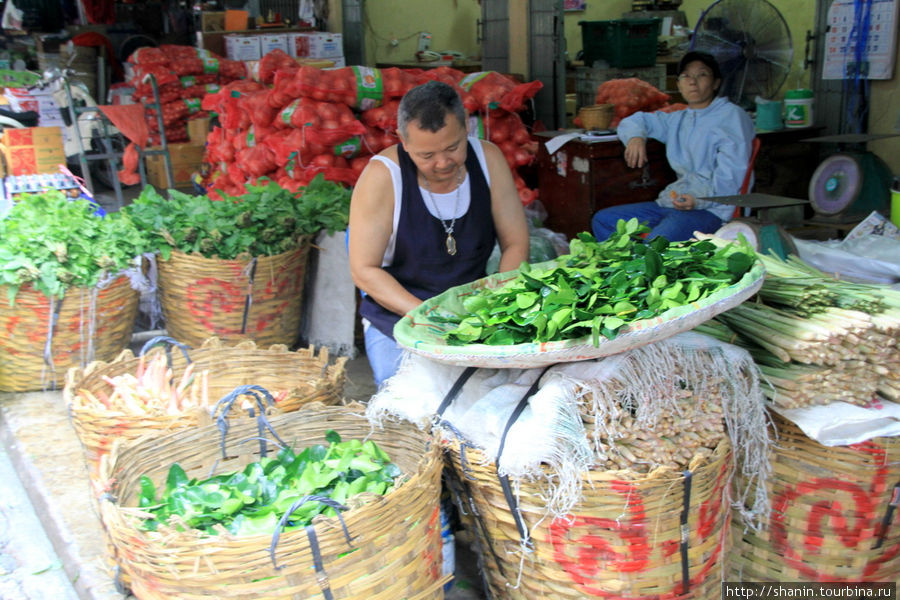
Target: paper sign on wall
843 34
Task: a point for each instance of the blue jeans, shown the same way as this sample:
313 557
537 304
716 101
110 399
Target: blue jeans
673 224
384 355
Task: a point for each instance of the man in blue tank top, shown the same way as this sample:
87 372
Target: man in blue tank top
425 214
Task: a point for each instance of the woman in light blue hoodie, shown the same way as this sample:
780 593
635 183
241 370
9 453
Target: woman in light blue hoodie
708 145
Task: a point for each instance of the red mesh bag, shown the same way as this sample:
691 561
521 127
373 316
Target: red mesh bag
490 90
274 61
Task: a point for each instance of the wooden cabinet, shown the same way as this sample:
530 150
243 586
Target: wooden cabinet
584 176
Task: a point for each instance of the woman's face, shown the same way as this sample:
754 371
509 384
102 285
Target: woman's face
697 85
437 154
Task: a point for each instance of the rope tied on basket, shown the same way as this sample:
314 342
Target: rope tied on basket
888 516
258 393
250 273
526 542
164 339
321 575
52 321
686 533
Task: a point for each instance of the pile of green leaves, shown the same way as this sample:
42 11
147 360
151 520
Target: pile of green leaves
55 243
598 288
265 221
253 501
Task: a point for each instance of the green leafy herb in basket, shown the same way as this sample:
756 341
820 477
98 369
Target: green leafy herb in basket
598 288
253 500
265 221
55 243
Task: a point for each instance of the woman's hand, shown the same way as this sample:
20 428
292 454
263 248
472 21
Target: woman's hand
684 202
636 152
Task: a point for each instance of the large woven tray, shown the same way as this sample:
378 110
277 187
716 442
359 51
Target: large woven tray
417 333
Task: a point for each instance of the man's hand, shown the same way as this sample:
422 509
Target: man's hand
636 152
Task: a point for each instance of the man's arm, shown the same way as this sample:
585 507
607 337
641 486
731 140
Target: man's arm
506 208
371 224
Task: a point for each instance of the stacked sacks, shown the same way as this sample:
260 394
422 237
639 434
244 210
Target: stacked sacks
184 75
494 100
291 122
629 96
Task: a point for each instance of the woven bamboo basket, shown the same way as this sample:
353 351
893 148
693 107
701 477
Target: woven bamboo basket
76 340
621 540
305 376
251 299
596 117
395 544
830 507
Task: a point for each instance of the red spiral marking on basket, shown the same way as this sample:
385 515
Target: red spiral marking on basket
281 283
595 554
209 292
265 320
709 513
853 532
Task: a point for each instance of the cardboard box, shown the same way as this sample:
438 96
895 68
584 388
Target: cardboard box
239 47
198 130
33 150
212 21
236 20
337 62
186 159
273 41
316 45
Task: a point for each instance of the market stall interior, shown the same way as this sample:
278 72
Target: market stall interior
631 416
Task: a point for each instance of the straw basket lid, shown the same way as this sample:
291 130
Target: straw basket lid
418 332
597 116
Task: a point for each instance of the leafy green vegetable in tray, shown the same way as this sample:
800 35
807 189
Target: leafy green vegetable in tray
252 501
55 243
265 221
597 289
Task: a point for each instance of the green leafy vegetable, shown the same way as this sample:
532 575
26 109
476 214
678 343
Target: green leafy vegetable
252 501
265 221
598 288
55 243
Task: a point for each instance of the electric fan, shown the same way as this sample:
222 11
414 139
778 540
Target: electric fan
752 44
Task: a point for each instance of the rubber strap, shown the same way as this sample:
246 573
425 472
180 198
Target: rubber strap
248 299
224 405
455 389
685 533
317 557
504 479
888 517
51 331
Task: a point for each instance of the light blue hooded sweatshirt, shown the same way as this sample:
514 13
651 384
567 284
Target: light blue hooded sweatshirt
708 148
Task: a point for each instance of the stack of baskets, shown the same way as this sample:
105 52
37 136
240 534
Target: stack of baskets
384 548
43 338
302 377
832 514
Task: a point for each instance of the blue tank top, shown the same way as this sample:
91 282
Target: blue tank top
421 263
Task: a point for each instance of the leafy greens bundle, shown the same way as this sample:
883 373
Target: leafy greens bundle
598 288
254 500
55 243
265 221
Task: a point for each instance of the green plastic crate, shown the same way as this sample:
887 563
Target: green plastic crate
622 43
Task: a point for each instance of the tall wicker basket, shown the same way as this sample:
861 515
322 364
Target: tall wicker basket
255 299
832 518
304 377
91 324
622 540
394 549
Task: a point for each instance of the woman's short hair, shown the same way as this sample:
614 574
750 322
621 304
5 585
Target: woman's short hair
704 57
429 104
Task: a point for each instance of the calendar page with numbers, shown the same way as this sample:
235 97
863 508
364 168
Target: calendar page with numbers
842 39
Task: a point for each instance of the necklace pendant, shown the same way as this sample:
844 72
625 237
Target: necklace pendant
451 245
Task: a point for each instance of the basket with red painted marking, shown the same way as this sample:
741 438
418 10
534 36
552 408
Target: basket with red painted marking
833 513
90 324
382 548
255 298
157 393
